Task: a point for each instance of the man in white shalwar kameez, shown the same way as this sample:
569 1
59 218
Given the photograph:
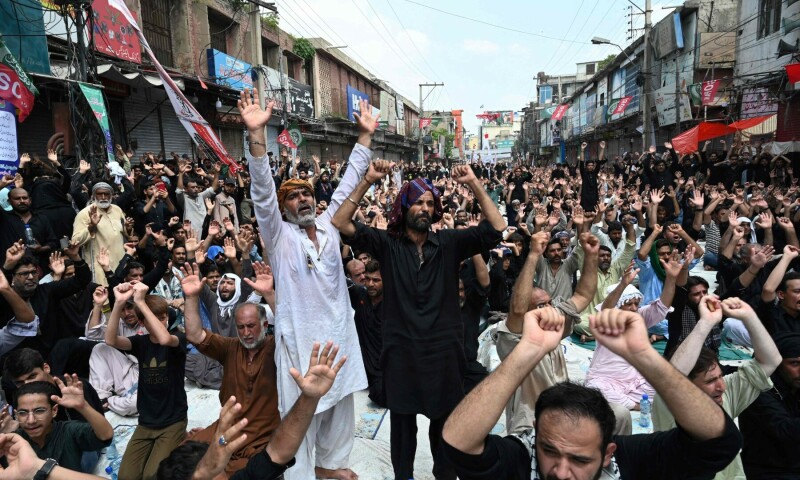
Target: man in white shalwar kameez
312 303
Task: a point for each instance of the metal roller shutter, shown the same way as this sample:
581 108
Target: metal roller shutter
141 119
33 134
233 140
176 138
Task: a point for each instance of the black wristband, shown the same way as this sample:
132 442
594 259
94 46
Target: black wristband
44 472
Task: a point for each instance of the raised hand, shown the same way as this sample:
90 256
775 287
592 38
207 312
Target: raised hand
786 224
763 255
245 240
100 295
214 228
15 252
229 248
622 332
84 167
629 274
130 248
265 282
657 196
765 220
710 309
57 264
738 309
539 242
191 283
24 159
229 226
139 291
590 243
790 252
553 219
463 174
103 259
697 200
94 216
378 169
226 441
673 267
253 116
71 392
321 371
542 328
364 120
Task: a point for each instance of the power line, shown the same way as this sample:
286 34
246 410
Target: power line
411 39
492 24
558 47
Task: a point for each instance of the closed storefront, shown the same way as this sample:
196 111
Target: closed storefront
233 140
152 125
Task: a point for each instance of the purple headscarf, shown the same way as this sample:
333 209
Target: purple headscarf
409 194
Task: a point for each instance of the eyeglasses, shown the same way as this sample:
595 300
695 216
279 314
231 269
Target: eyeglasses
38 413
30 273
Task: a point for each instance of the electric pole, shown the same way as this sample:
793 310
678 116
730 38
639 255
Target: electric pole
647 129
420 149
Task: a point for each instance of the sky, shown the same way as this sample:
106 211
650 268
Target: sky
406 42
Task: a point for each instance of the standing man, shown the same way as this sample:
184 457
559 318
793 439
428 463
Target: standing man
423 359
100 226
312 303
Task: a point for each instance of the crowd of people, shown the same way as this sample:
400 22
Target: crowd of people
290 286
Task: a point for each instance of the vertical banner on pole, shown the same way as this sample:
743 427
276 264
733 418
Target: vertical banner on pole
9 156
95 98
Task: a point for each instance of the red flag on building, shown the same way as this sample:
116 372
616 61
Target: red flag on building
708 91
622 104
424 122
559 112
285 138
793 71
15 85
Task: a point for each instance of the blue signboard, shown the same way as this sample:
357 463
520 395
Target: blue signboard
353 97
229 70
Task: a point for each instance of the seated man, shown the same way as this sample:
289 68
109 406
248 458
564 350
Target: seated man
770 424
573 435
616 379
735 391
64 441
114 373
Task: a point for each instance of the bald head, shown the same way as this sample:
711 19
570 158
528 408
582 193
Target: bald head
539 299
355 270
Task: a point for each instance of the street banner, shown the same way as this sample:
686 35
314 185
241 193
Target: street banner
622 104
709 91
25 35
192 121
15 85
8 140
285 139
112 36
559 112
296 134
95 98
424 122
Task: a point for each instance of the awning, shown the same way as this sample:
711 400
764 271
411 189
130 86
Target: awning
134 79
689 141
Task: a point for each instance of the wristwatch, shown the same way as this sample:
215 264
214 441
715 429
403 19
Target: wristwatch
44 472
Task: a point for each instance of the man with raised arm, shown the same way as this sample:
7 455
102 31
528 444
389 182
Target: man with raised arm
312 303
573 436
733 392
423 359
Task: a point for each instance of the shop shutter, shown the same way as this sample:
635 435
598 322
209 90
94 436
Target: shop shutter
176 138
36 130
232 139
141 119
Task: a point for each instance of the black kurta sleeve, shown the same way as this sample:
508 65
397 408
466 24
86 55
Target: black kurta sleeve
502 458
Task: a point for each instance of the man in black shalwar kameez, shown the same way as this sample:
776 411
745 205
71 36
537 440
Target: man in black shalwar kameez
423 358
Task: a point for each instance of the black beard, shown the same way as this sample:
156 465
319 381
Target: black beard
420 223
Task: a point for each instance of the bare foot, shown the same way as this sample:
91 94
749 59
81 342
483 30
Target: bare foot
194 431
340 474
586 338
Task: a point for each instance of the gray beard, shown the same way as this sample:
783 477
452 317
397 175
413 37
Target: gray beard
103 205
306 220
258 342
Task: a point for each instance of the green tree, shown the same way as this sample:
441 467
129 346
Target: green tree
604 62
448 140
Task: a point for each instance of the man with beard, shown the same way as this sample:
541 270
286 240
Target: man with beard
248 363
423 360
192 199
608 273
100 225
312 304
324 187
553 274
590 195
367 301
12 226
573 436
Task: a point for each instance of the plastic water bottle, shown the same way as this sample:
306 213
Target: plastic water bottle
29 238
644 412
114 460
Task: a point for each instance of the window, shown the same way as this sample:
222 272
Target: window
769 17
156 26
545 94
218 28
590 69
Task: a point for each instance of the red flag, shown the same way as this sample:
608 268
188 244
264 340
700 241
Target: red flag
424 122
622 105
15 86
708 91
793 70
285 138
202 83
559 112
